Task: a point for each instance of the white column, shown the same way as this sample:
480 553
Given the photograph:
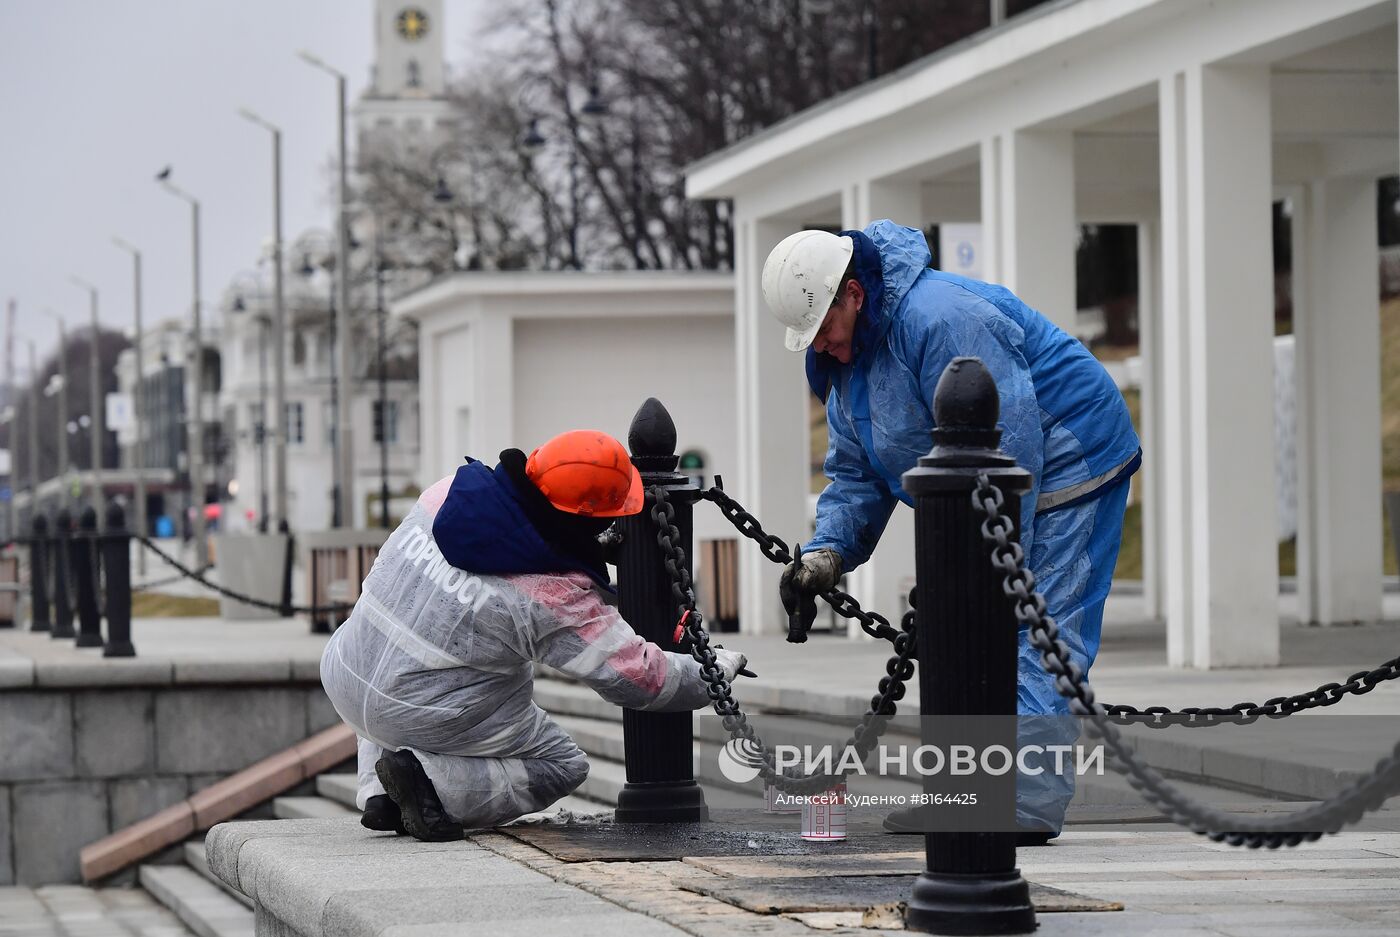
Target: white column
1336 322
771 481
1028 221
1148 484
1217 356
877 585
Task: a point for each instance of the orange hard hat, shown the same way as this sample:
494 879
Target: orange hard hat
586 472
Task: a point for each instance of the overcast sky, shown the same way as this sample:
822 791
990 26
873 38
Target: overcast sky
97 95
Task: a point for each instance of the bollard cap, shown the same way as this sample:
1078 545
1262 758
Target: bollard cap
88 519
966 398
966 406
652 439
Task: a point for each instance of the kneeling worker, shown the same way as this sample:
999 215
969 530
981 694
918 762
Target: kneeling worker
491 570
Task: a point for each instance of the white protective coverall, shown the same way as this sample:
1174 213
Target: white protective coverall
438 660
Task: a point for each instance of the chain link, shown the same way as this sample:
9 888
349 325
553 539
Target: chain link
1327 817
1157 717
843 603
898 669
198 577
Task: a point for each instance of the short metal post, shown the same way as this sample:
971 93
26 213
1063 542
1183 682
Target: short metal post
38 575
659 749
290 541
85 576
967 657
62 580
116 563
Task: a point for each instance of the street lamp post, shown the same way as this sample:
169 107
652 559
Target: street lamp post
60 387
344 434
381 314
33 434
308 271
94 397
195 380
138 403
279 335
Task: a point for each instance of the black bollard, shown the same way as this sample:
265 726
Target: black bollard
83 550
659 750
967 658
286 603
62 576
116 563
38 576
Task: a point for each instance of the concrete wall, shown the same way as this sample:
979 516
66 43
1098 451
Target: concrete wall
78 763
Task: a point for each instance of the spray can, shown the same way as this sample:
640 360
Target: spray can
824 815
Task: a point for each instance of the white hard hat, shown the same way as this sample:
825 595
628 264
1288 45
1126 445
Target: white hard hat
800 279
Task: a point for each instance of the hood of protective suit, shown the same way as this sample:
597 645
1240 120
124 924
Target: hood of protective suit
888 259
485 526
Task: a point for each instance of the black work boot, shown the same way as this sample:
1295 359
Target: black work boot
381 813
423 815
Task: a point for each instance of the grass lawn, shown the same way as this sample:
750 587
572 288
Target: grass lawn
156 605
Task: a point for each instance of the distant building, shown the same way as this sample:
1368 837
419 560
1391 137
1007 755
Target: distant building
162 407
402 114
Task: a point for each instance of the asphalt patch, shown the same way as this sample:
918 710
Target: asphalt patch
650 842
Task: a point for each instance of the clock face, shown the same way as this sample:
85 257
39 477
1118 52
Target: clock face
412 23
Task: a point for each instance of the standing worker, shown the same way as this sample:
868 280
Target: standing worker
494 569
879 326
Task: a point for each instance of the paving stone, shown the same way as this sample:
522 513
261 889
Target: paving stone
301 889
206 730
203 669
133 799
16 672
114 733
102 671
35 735
52 821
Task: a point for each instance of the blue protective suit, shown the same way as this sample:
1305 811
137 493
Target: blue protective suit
1062 418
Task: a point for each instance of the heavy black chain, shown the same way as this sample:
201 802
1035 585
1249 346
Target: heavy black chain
1329 816
751 749
843 603
1329 694
198 577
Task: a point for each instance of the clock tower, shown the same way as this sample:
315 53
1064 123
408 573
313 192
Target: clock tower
406 102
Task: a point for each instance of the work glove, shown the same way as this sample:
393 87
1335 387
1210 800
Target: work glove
802 581
815 572
731 662
611 542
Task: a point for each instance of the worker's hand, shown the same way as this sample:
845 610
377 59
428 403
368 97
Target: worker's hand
815 572
731 662
611 542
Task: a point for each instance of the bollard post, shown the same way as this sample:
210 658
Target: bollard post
286 603
658 747
968 646
38 576
62 576
83 550
116 563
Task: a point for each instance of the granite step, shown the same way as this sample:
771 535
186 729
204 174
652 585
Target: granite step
309 808
203 907
197 859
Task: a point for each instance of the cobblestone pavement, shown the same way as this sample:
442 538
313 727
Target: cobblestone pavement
75 911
